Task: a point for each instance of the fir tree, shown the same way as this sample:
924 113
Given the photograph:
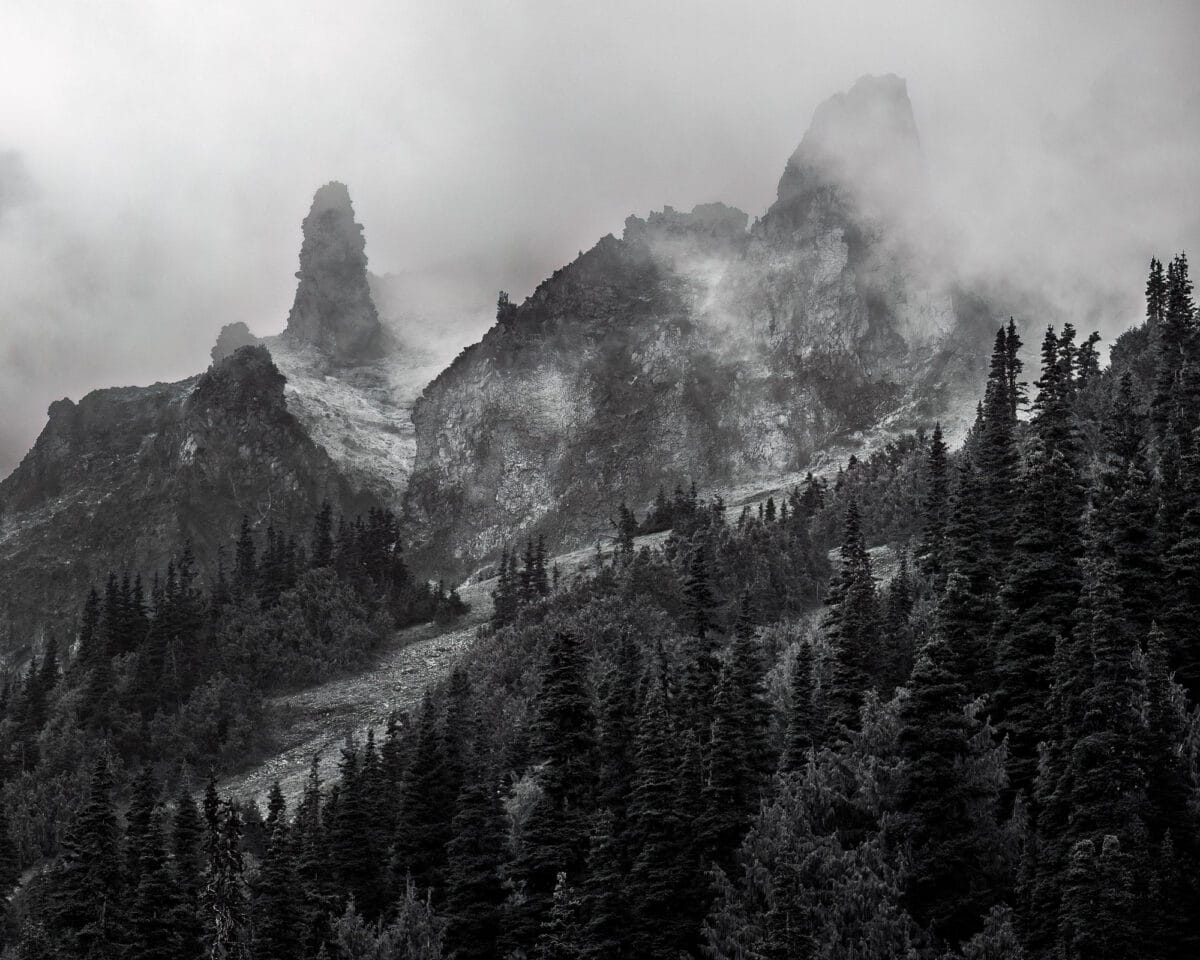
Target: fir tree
321 550
851 625
949 812
556 835
87 907
657 883
1038 602
474 887
803 719
935 507
275 907
153 934
187 863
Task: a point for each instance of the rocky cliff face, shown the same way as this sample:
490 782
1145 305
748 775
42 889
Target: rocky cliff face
695 348
127 475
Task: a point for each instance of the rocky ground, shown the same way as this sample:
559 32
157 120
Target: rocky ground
315 721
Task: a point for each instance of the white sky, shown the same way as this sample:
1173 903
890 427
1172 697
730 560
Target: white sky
171 149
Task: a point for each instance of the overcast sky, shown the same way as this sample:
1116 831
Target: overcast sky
156 157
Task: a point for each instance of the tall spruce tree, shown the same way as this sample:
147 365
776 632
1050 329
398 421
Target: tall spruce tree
935 508
949 810
556 834
89 898
852 626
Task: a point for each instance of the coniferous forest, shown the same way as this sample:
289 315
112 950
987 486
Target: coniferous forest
941 705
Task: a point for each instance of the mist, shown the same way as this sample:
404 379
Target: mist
156 158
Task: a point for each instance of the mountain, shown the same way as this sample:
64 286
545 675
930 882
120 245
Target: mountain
698 347
127 476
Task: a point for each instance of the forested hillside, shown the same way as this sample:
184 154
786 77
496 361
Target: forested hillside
748 743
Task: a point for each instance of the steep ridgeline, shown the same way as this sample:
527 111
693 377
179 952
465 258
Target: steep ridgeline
351 382
694 347
128 475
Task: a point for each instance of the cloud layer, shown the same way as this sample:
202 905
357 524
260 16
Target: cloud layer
156 158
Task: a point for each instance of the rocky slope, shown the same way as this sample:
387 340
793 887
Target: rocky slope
698 347
127 475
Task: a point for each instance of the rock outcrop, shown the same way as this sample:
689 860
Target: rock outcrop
233 337
127 475
333 309
695 348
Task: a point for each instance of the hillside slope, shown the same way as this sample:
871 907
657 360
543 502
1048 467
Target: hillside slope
696 347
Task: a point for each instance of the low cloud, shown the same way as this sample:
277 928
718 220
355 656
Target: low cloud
161 156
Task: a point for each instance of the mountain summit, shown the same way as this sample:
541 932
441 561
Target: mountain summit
333 309
863 142
696 347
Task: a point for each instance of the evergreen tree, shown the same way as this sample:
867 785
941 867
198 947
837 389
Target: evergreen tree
851 625
557 831
657 884
187 861
152 932
995 455
223 906
803 720
275 908
87 907
1156 293
423 827
321 550
949 811
604 906
474 887
1122 523
1038 602
936 507
1176 331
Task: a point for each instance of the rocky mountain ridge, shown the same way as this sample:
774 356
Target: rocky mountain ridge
128 475
698 347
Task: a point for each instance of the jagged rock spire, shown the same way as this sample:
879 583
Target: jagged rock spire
862 143
333 309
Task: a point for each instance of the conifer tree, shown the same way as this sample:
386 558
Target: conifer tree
474 887
1037 602
949 813
728 792
275 907
187 864
803 720
426 806
604 906
321 551
657 883
245 563
935 508
223 899
556 834
1122 524
154 906
851 625
1156 293
995 455
1176 332
87 907
561 937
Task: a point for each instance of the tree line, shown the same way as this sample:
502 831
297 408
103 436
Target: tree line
943 707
